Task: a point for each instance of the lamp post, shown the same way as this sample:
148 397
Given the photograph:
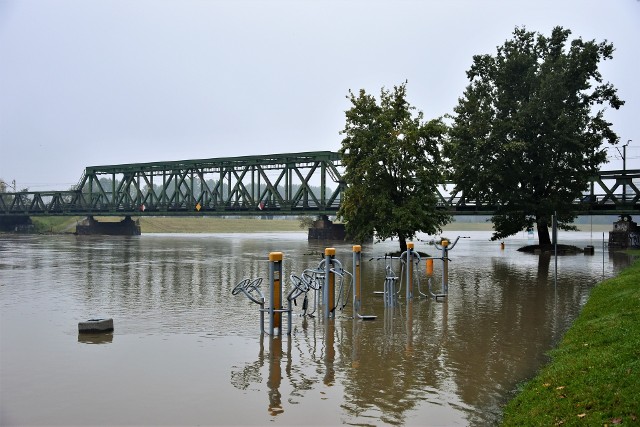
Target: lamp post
624 171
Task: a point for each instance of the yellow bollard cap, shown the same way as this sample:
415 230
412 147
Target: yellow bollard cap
409 245
275 256
330 251
357 248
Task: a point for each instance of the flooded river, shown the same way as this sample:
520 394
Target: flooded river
187 352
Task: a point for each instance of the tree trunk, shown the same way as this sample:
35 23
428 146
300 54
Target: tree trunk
543 232
403 243
544 261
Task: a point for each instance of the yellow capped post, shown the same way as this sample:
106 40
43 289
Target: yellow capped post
328 291
275 292
409 277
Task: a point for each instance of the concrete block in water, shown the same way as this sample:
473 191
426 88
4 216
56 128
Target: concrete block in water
96 325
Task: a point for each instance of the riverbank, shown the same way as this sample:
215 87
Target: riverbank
204 224
594 374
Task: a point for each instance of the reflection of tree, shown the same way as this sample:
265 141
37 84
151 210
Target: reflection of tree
493 330
504 321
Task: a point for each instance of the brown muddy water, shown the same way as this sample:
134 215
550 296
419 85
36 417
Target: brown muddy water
187 352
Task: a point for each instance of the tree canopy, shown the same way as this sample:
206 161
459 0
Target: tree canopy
392 168
528 131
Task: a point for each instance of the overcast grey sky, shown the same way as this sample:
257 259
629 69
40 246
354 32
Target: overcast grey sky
107 82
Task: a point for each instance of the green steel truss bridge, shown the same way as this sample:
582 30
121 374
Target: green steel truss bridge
278 184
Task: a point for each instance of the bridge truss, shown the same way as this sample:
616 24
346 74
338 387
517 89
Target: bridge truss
277 184
608 193
282 184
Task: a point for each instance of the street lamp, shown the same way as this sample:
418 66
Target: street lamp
624 171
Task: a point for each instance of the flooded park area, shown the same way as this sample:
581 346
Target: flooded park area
186 351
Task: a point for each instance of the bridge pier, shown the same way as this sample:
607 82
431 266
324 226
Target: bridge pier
625 234
324 229
126 227
17 223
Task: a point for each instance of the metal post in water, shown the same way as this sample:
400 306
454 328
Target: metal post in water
275 376
445 266
275 293
409 277
554 232
328 290
357 298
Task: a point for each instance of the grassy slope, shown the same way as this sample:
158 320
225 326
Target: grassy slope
594 374
217 225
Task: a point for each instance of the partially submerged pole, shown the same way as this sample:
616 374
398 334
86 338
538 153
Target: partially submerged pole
275 293
328 290
409 277
357 286
445 266
357 296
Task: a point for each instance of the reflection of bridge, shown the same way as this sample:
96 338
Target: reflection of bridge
278 184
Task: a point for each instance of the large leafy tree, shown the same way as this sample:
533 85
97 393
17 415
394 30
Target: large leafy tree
392 167
529 128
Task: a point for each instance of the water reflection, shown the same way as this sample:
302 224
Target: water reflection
419 362
85 338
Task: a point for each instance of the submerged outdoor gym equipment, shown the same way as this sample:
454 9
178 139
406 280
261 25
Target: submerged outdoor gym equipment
409 274
320 279
445 248
408 259
410 262
252 291
357 288
329 275
389 292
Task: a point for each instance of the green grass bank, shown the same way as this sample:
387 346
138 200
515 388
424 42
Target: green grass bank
593 378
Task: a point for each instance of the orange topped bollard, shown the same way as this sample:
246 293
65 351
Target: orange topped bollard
275 293
328 291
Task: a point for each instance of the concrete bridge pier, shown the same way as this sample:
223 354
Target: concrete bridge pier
16 223
126 227
324 229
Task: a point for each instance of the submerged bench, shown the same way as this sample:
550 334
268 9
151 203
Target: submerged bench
93 326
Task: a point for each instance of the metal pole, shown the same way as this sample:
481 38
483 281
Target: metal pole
357 299
409 277
328 290
624 173
275 292
554 223
445 267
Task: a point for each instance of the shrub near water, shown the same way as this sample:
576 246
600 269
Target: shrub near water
594 375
